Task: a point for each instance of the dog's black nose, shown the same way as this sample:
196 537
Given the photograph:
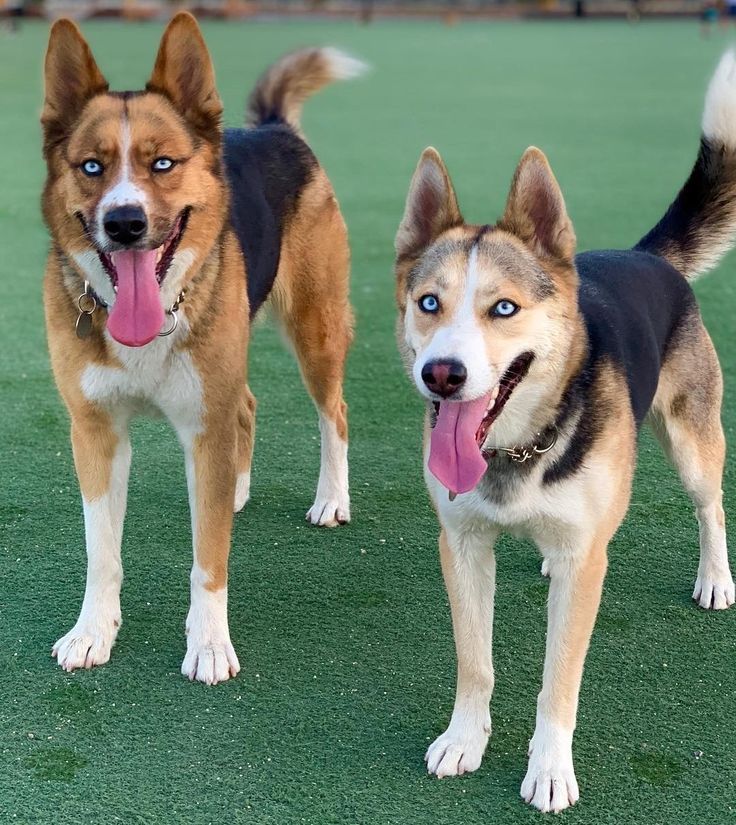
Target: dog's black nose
125 224
444 376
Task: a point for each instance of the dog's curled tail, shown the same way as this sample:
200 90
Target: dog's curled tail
281 90
700 225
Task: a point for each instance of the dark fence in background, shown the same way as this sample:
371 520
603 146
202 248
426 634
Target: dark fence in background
449 10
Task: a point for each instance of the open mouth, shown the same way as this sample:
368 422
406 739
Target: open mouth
164 253
455 452
502 392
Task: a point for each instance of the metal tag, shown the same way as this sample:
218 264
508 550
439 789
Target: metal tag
83 326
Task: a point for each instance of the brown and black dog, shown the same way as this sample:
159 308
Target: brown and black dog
539 366
168 234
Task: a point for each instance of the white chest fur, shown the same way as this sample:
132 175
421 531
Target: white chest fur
157 378
557 513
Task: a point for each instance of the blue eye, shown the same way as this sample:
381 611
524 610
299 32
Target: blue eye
429 303
92 168
504 309
162 164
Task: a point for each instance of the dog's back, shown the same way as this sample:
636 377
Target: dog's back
269 164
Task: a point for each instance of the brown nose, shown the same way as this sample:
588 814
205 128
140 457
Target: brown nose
444 376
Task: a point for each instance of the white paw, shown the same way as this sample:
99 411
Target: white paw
545 568
211 662
329 511
86 644
242 491
550 783
457 751
713 590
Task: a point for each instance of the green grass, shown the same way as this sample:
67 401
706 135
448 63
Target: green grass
344 636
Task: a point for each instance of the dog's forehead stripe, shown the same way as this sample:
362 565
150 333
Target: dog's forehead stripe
494 255
516 265
440 260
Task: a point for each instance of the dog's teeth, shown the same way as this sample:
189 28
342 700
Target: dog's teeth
492 404
494 394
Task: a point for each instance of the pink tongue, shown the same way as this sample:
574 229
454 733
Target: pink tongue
137 315
454 456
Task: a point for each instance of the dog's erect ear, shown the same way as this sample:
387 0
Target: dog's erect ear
431 206
71 79
183 72
535 210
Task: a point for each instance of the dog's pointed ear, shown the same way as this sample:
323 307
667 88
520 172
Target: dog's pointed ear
535 209
71 79
431 206
183 72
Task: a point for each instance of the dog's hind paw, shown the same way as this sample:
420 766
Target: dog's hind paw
85 645
242 492
714 592
456 752
329 512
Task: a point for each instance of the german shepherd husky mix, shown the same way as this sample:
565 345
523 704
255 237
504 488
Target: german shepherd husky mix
167 236
539 366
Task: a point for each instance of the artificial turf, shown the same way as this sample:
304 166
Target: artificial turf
344 636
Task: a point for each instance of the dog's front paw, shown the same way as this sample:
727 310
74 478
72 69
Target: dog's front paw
714 591
87 644
329 511
550 783
210 662
457 751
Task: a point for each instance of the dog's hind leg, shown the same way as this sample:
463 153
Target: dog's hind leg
102 459
310 298
469 570
686 419
246 437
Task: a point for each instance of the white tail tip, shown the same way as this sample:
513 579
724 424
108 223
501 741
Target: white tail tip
343 66
719 114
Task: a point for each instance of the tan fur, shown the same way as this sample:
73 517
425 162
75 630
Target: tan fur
528 259
178 117
285 85
310 297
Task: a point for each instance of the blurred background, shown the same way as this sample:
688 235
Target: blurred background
366 10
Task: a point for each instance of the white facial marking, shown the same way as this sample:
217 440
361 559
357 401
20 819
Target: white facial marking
461 339
124 192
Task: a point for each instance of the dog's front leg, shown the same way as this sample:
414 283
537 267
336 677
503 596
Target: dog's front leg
469 569
576 582
210 464
102 459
